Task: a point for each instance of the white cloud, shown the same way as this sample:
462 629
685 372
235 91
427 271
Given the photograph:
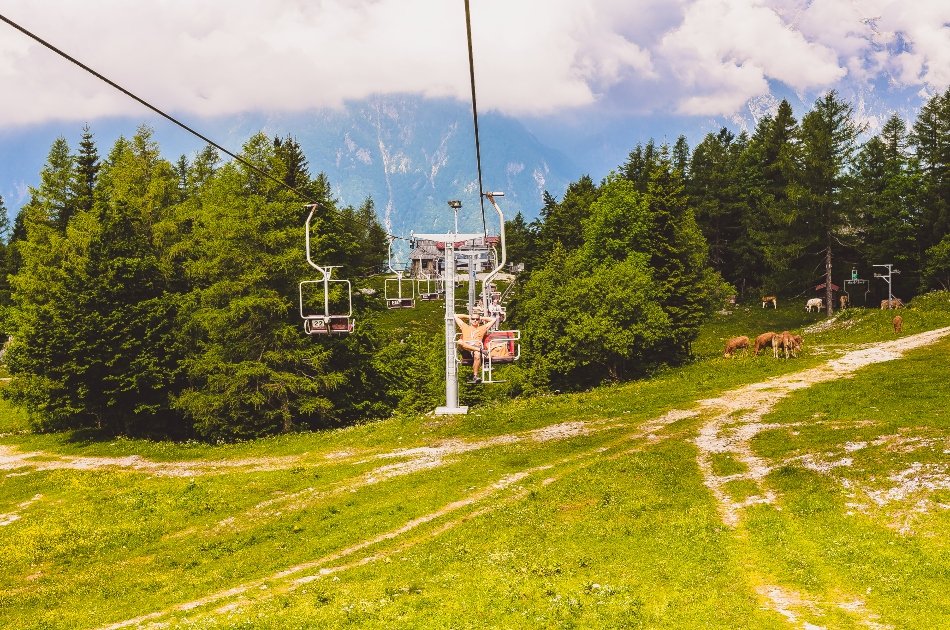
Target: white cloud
725 50
227 56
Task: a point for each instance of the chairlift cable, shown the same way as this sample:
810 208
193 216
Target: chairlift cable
165 115
478 151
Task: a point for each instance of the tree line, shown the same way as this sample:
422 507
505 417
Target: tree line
794 205
149 297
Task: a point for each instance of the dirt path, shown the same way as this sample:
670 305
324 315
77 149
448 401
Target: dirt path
13 459
12 517
412 459
735 418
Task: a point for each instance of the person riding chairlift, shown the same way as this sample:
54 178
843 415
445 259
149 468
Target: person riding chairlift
473 339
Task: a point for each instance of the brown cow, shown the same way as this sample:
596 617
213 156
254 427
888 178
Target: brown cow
784 342
895 303
770 299
735 344
898 324
797 342
844 301
762 341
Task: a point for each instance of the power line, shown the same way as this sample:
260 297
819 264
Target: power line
165 115
478 151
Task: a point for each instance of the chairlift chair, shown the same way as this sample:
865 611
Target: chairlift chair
499 347
326 320
393 287
322 315
433 289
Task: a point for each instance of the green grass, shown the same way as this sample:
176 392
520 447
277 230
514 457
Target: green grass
604 529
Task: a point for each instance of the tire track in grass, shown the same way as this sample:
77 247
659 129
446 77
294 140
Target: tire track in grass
13 459
14 516
291 573
290 578
413 460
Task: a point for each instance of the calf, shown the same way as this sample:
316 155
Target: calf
895 303
735 344
784 342
898 324
762 341
797 342
818 303
844 301
770 299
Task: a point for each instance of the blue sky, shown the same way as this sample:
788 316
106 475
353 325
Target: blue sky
571 71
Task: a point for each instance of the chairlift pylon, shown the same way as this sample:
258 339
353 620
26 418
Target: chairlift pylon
324 319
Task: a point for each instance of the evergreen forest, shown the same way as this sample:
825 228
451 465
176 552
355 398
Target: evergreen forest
155 298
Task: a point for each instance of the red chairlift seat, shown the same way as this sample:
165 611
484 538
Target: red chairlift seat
502 346
498 347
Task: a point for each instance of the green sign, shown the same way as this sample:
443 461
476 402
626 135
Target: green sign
854 274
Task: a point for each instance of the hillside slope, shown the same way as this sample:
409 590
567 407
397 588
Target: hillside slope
751 492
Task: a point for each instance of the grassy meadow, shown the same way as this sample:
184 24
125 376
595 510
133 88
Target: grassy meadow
586 510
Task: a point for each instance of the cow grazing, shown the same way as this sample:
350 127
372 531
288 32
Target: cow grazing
844 301
818 303
763 341
898 324
735 344
784 342
894 303
797 342
788 343
770 299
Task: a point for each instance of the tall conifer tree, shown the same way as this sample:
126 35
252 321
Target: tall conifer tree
829 140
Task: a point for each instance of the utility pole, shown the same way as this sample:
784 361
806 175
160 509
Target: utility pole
829 295
887 278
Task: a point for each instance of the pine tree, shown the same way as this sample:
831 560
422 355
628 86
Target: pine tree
771 170
930 138
884 186
719 192
53 200
829 140
640 165
562 220
292 168
5 260
86 173
688 288
95 326
519 240
253 371
681 157
202 168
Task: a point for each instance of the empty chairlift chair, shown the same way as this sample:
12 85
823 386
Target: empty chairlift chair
326 304
399 292
430 288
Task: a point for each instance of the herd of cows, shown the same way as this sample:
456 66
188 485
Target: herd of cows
784 342
787 344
